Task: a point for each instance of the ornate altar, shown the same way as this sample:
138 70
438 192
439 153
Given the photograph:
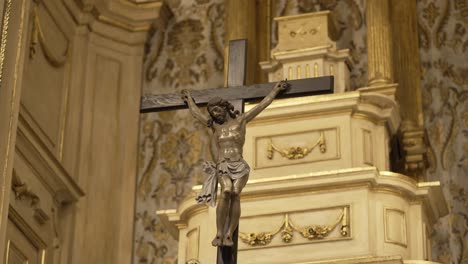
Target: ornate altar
320 189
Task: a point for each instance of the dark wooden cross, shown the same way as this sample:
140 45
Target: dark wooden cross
237 94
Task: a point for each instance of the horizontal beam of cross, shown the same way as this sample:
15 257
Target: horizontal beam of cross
252 93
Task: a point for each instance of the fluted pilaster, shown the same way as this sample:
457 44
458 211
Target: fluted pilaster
380 65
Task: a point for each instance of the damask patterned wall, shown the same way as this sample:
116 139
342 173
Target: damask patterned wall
188 54
443 42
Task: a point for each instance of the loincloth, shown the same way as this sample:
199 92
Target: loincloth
234 169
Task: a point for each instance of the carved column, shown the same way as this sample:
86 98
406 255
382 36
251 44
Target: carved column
380 66
407 75
240 24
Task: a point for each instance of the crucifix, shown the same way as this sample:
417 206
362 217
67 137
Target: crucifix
228 121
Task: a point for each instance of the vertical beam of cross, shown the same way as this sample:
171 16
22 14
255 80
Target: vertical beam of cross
237 62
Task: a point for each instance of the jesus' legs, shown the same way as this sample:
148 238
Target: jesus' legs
235 209
222 211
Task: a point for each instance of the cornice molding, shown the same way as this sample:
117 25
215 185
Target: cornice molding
126 21
50 171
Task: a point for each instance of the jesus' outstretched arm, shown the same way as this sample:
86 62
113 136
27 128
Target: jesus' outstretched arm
280 86
187 97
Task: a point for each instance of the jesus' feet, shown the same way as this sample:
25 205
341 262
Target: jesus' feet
227 241
217 241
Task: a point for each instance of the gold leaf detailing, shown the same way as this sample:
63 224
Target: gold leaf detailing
294 153
6 20
38 38
287 228
257 239
321 231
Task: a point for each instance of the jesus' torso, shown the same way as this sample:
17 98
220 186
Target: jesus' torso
230 138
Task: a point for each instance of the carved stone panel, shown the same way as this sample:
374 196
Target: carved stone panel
395 227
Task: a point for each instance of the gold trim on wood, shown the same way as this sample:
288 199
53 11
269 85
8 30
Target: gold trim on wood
6 20
297 152
43 256
7 253
13 94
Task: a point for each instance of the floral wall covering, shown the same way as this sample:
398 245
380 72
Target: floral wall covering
443 42
188 53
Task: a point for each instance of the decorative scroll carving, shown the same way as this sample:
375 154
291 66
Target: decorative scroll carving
22 191
192 261
287 228
38 38
297 152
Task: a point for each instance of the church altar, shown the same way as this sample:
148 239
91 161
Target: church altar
320 189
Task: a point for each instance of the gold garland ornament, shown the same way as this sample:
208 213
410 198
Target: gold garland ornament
287 228
294 153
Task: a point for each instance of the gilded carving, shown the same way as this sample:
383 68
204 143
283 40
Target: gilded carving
287 229
293 153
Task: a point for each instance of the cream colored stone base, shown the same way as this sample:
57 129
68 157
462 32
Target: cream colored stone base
367 212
